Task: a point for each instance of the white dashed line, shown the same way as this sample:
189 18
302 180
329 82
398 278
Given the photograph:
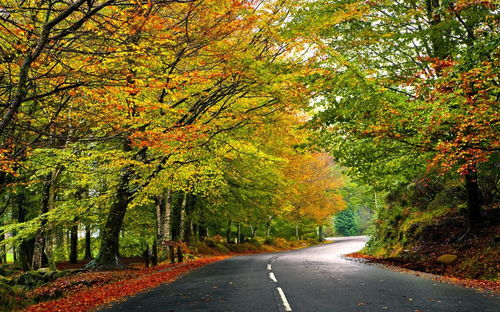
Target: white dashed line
269 267
271 276
283 298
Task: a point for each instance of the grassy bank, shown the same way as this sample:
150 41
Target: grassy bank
437 242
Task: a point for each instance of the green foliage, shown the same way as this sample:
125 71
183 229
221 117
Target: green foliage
357 218
346 222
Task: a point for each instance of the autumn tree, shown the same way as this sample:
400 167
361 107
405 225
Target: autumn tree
407 98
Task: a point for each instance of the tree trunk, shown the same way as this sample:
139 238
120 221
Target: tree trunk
48 197
228 232
88 246
3 253
180 257
167 229
182 219
473 200
159 224
40 235
154 255
268 226
25 251
320 234
171 254
108 257
238 234
297 230
253 230
73 250
146 256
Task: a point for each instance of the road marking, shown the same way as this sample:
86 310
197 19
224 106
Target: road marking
283 298
271 276
269 267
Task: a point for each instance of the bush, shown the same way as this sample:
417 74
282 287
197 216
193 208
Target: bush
281 243
256 242
222 248
7 297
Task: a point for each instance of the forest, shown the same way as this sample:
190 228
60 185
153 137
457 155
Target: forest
128 125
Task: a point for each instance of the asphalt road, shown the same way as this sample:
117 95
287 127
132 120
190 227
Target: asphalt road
306 280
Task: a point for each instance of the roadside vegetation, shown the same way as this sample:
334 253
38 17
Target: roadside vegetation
413 115
71 288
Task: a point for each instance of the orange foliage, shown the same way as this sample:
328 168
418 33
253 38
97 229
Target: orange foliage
314 186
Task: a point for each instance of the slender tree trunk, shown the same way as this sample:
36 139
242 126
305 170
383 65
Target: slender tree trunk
268 226
159 220
473 200
167 228
238 234
40 235
48 197
154 256
297 230
73 250
320 234
25 250
3 253
253 230
180 257
191 229
159 224
146 256
182 219
88 246
167 213
228 232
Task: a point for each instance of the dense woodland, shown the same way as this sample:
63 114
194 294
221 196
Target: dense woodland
128 123
141 122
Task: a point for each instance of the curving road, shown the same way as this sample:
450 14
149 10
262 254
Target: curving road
306 280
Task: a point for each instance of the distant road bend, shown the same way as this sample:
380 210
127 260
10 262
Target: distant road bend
306 280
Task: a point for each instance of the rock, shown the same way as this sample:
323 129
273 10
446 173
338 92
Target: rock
43 270
447 259
30 279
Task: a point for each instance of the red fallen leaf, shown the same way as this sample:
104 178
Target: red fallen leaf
88 299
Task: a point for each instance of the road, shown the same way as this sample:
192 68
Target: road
306 280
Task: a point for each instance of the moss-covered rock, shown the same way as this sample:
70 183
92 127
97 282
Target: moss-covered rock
447 259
